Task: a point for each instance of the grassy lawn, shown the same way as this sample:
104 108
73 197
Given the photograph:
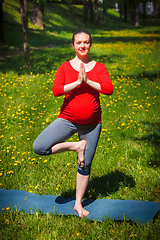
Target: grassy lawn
127 160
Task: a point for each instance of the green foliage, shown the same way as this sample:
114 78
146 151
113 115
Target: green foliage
126 164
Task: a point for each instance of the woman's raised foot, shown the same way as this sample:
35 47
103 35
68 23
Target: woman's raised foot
80 152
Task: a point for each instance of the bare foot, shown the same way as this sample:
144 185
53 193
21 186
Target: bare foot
80 152
80 210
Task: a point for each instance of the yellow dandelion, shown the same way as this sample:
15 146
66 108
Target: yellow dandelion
7 221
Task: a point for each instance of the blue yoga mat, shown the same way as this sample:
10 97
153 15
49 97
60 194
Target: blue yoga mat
100 209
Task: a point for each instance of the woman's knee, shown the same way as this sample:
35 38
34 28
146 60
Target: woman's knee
38 149
84 172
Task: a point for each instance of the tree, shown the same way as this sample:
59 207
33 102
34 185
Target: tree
120 5
136 14
72 11
132 5
2 40
91 12
38 13
85 11
24 22
96 13
157 9
125 10
104 11
144 10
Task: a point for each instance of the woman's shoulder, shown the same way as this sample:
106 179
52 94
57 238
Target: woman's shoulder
64 66
100 66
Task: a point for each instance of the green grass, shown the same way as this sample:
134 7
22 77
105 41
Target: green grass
126 164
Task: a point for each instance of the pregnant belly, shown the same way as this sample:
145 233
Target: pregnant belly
83 111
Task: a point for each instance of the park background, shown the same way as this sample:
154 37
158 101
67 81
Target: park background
126 164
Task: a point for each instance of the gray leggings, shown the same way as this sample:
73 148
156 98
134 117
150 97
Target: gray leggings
60 130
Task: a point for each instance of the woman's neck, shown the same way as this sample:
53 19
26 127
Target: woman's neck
88 64
84 60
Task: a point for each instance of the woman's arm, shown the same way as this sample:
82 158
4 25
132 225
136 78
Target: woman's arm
105 85
93 84
105 81
71 86
60 88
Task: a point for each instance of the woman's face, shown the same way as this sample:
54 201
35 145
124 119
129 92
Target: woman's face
82 44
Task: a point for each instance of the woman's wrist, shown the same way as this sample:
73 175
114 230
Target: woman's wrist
93 84
69 87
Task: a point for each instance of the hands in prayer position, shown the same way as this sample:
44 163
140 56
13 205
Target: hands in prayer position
82 76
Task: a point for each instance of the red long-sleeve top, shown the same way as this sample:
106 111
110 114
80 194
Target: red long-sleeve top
82 104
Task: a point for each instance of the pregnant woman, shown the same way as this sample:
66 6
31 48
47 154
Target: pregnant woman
81 80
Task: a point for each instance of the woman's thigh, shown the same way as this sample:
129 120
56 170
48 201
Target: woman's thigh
58 131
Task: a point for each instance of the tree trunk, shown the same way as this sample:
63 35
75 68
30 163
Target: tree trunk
137 14
144 10
72 11
96 13
125 11
91 11
157 10
37 15
1 23
104 11
120 11
132 5
85 11
24 22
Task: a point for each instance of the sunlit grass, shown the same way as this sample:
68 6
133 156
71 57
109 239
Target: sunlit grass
126 164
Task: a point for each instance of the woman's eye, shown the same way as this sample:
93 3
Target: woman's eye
84 43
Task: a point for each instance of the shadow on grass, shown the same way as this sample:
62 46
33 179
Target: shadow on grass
153 138
105 185
109 39
149 75
47 59
42 61
59 23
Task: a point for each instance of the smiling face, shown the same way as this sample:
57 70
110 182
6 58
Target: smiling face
82 44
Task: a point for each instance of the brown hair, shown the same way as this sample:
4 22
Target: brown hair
81 31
